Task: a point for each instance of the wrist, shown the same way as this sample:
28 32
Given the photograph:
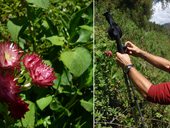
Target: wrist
141 53
127 68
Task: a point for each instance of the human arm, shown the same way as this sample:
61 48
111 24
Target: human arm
157 61
154 93
142 83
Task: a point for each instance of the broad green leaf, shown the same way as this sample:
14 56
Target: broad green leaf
56 40
14 30
87 105
29 120
40 3
44 102
76 60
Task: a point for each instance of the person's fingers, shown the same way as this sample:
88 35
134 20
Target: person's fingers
116 59
128 43
117 54
130 48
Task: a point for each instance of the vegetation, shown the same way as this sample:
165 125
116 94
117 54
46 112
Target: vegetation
61 33
111 100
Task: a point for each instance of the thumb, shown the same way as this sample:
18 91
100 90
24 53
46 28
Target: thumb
118 54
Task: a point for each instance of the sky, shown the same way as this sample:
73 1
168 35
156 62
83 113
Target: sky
160 15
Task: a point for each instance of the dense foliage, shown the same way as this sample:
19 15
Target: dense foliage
60 32
111 100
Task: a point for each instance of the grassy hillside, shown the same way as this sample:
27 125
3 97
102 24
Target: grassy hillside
111 100
167 28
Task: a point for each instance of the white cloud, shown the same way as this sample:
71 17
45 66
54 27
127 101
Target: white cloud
160 16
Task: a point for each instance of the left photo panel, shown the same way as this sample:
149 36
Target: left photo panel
46 63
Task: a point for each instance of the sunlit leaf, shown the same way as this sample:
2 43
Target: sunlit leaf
14 30
85 33
40 3
29 120
44 102
76 60
88 105
56 40
86 27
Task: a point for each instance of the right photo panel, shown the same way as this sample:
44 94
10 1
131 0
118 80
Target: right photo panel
131 63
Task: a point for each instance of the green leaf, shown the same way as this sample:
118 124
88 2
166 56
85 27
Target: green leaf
86 27
88 80
87 105
66 77
76 60
21 42
57 81
47 122
56 40
48 62
85 33
29 120
40 3
78 17
14 30
75 21
56 106
44 102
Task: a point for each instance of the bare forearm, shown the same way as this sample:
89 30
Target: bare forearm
157 61
140 81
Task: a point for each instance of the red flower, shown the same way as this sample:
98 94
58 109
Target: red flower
108 53
30 60
18 108
8 88
9 94
41 74
10 55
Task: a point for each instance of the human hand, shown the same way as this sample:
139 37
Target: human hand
132 49
123 59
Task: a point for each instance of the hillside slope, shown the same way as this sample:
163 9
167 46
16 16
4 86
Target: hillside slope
111 101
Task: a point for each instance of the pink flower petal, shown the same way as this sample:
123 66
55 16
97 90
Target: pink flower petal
41 74
10 55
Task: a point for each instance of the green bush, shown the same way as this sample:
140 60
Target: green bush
111 100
